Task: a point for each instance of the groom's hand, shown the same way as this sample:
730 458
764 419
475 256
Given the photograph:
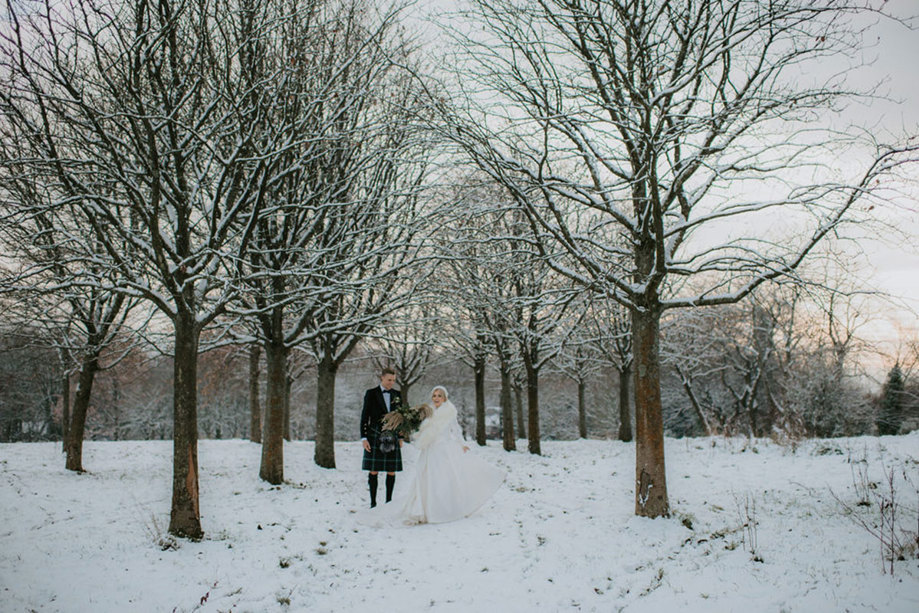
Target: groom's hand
366 445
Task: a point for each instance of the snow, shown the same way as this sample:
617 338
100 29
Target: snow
559 535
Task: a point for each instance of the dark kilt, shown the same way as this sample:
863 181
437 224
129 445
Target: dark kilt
378 461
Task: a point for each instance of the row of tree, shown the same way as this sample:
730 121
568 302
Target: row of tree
251 160
761 368
292 175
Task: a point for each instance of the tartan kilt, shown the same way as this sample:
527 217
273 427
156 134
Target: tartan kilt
378 461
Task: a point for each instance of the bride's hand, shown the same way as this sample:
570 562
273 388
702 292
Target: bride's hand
465 448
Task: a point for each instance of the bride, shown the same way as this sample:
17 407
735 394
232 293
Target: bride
449 483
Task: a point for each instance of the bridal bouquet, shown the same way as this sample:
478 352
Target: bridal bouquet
401 422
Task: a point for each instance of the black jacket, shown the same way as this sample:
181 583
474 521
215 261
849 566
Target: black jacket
374 410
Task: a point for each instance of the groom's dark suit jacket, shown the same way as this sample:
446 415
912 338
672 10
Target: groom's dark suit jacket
374 410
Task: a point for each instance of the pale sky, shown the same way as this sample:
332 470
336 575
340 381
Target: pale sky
895 259
889 263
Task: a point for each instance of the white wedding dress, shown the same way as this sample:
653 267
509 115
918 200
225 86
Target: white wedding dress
449 483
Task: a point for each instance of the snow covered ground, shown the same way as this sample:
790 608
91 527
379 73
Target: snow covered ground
560 534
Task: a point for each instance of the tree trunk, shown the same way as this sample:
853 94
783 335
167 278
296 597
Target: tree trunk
582 411
185 515
650 477
694 402
764 342
532 407
625 395
74 444
325 414
403 390
65 411
272 468
518 407
116 409
479 372
288 384
507 413
255 409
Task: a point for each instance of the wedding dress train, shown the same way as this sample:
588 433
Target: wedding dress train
449 483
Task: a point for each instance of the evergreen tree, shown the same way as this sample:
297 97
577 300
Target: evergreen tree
891 414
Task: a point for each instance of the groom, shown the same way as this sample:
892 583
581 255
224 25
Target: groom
378 401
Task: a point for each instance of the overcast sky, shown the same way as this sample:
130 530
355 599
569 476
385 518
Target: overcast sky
895 259
889 262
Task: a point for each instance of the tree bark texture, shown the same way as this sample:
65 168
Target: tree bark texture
625 396
272 466
650 478
324 454
532 408
65 411
518 408
288 384
582 411
479 372
507 413
74 442
255 408
185 515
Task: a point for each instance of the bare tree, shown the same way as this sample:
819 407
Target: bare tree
140 108
369 254
348 317
722 356
908 358
662 125
29 376
336 61
255 409
517 300
542 311
582 356
59 272
469 342
469 254
504 289
411 343
577 364
610 334
769 365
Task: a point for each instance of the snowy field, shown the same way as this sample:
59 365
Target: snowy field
560 535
